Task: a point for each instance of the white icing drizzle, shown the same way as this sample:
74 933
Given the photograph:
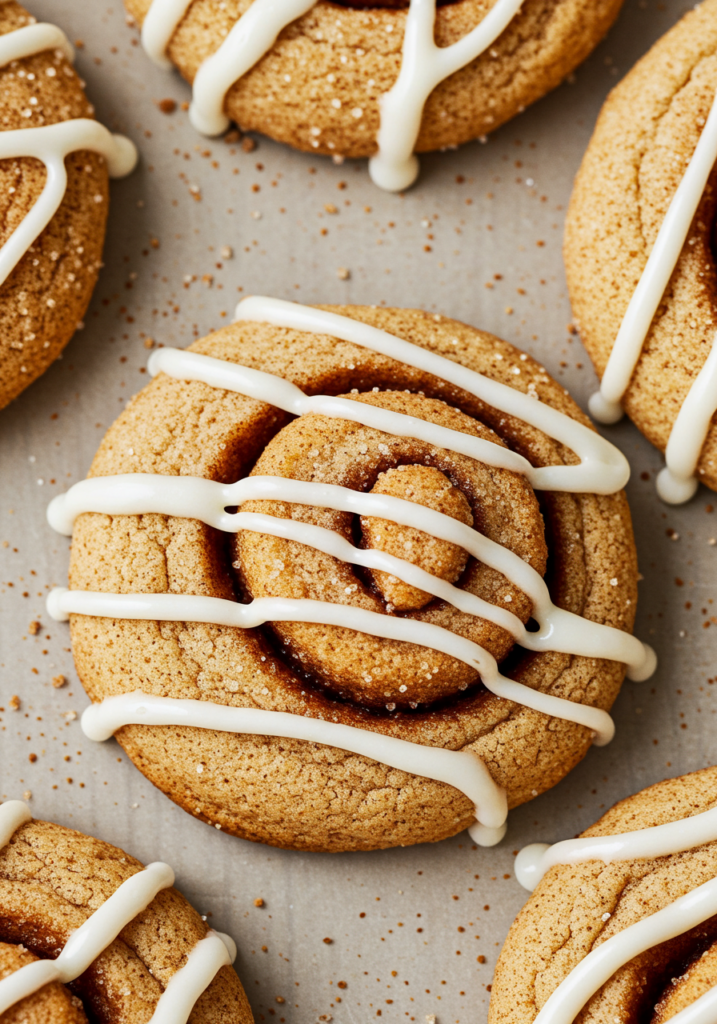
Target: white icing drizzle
103 926
267 387
459 768
13 814
603 469
206 500
62 603
600 964
689 432
32 39
424 65
91 938
51 144
677 482
160 23
214 951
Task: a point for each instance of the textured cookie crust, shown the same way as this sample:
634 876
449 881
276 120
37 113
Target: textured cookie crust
646 133
52 879
53 1004
354 55
296 794
46 295
563 920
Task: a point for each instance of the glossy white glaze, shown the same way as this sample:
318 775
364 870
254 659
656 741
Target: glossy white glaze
602 469
689 431
91 938
423 66
214 951
459 768
207 500
51 144
62 603
600 964
88 941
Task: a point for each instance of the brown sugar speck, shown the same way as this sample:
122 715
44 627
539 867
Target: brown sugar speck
34 628
328 941
32 758
280 999
167 106
342 984
480 959
259 902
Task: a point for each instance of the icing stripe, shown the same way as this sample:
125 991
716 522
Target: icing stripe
62 603
461 769
91 938
267 387
601 963
677 481
534 861
13 814
51 144
186 985
32 39
88 941
689 432
206 500
423 66
602 470
253 35
159 25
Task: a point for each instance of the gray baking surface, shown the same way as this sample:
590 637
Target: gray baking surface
408 926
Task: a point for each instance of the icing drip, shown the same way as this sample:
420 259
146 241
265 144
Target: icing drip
424 65
598 966
689 431
214 951
102 927
51 144
160 23
206 500
253 35
13 814
459 768
677 481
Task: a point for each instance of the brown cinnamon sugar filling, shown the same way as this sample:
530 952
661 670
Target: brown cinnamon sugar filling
364 669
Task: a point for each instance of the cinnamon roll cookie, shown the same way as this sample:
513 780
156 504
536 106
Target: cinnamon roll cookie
88 933
622 925
639 250
347 578
376 78
54 165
